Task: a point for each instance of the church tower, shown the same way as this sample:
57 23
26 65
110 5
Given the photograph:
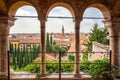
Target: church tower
63 31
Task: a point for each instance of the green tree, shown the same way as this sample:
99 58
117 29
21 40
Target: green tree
63 50
54 43
51 39
97 34
47 43
49 47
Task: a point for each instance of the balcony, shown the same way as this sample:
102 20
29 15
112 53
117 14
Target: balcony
59 67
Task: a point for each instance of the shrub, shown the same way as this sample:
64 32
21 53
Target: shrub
71 57
98 67
67 66
33 68
84 66
95 68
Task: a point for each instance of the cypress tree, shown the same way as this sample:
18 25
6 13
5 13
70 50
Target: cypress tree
31 55
33 52
51 39
47 43
18 52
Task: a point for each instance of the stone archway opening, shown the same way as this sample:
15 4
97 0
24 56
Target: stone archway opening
24 39
62 29
94 32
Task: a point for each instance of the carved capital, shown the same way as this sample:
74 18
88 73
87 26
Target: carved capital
77 21
78 18
7 20
5 24
116 25
107 23
11 21
43 22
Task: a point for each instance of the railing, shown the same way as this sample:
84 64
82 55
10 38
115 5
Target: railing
60 64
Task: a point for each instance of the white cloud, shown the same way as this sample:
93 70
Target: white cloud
27 25
55 25
60 11
26 11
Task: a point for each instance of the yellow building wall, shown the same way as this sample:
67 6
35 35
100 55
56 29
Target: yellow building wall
15 44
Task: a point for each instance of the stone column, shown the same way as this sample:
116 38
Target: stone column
43 48
116 47
77 46
5 24
113 28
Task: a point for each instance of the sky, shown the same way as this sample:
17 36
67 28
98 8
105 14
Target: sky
32 25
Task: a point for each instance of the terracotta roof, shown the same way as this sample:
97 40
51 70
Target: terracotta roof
29 41
47 56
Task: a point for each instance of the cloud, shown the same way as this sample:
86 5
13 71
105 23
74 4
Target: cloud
60 11
26 11
92 12
27 25
87 25
55 25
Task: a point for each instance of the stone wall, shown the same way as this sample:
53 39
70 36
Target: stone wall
99 51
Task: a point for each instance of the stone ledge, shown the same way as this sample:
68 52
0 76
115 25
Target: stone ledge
53 76
54 79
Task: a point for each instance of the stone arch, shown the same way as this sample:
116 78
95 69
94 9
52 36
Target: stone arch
15 6
116 9
3 8
105 11
63 5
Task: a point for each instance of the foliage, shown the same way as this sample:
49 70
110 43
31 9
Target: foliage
67 66
84 66
48 44
52 47
85 56
53 67
95 68
97 34
98 67
20 58
71 57
33 68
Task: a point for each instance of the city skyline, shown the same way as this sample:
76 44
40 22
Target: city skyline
32 25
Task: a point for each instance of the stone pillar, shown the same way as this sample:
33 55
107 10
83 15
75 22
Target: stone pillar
114 34
77 46
5 24
116 37
43 48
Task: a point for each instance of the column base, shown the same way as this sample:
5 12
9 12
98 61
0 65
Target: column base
3 76
77 75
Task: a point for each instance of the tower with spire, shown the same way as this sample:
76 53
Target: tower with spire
63 31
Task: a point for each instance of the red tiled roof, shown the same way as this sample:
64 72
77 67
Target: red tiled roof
47 56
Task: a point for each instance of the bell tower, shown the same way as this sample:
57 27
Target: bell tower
63 31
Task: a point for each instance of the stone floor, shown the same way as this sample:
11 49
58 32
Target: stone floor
53 76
